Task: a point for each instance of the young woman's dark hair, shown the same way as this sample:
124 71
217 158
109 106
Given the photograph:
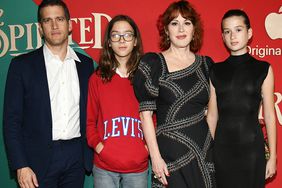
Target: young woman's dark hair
186 10
108 62
46 3
236 12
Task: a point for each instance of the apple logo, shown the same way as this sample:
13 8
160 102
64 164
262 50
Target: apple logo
273 24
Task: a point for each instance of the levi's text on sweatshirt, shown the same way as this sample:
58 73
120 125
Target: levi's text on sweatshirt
113 119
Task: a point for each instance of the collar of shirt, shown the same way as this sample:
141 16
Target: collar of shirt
49 55
120 74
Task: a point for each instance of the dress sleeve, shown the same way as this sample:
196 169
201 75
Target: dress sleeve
212 76
264 71
209 62
208 66
146 81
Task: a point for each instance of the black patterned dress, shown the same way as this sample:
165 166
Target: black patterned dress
180 99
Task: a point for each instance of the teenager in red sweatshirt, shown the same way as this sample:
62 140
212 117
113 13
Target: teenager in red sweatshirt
113 123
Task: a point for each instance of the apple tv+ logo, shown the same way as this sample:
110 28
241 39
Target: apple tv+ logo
273 25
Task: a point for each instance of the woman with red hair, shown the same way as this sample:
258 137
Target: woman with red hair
175 85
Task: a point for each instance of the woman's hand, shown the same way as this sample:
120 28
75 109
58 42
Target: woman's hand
158 164
160 170
270 168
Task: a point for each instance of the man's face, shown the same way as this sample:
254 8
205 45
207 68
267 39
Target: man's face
54 26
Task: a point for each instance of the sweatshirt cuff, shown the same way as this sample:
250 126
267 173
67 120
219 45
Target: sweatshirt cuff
95 143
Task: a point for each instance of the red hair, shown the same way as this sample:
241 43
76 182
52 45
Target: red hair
186 10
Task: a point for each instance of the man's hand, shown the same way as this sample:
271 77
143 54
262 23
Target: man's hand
27 178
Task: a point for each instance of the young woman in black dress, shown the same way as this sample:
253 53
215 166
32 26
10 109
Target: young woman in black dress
239 85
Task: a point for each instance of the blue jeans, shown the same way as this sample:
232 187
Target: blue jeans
108 179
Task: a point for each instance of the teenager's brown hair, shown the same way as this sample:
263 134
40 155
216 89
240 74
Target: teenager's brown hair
108 62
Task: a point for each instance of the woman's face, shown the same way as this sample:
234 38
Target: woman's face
122 39
180 31
236 35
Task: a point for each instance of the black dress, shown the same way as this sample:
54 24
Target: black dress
239 143
179 99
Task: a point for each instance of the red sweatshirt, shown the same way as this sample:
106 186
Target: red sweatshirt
113 119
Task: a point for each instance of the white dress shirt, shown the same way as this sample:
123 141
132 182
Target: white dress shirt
64 93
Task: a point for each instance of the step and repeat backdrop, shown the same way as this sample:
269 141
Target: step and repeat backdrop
19 34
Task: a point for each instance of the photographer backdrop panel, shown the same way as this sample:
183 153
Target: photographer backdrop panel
19 34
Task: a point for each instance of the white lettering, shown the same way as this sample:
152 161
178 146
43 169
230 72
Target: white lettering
277 109
264 51
105 130
83 29
8 42
98 38
29 37
4 46
125 125
276 106
132 127
4 41
38 36
121 126
14 36
114 127
1 14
